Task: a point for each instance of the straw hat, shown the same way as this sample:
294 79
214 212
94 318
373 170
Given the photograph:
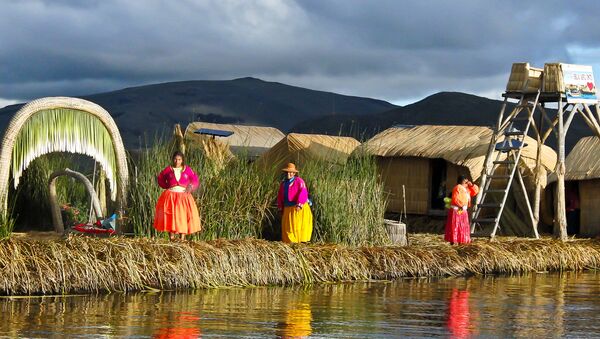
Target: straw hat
290 168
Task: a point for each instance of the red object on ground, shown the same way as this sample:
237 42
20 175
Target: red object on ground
93 229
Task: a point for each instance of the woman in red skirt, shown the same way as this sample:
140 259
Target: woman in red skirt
176 210
458 230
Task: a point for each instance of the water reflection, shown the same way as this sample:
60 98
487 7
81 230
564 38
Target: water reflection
539 305
184 325
458 314
297 322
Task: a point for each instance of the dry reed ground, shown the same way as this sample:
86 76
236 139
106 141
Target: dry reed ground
82 264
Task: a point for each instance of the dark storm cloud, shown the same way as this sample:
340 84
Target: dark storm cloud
391 49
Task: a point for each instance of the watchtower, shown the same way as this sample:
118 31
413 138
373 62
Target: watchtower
529 92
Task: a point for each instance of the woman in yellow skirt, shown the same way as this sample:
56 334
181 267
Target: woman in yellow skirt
292 199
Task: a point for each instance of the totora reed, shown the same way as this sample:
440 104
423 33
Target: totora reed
80 264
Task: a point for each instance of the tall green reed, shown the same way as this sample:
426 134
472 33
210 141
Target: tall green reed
237 199
349 202
233 200
143 191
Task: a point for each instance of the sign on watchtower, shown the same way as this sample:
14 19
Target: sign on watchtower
572 88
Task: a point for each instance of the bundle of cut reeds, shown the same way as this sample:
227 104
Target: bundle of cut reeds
80 264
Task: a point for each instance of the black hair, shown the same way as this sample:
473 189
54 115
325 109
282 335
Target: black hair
177 153
460 179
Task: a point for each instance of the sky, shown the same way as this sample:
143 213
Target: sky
399 51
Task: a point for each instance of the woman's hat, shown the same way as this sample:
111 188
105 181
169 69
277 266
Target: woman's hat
290 168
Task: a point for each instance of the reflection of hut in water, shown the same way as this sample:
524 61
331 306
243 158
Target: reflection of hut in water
582 188
300 148
248 141
428 159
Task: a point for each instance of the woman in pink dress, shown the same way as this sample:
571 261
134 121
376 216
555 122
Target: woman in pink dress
293 202
176 210
458 230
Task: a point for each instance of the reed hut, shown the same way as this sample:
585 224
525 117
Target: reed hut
249 141
300 148
582 183
427 159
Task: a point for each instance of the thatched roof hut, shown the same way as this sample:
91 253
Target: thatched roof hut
583 183
300 148
427 160
251 141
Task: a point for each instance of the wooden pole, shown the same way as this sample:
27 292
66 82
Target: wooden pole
101 191
528 204
592 118
538 173
560 223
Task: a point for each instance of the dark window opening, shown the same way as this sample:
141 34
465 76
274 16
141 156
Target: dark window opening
438 184
572 207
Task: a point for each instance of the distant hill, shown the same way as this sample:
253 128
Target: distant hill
153 108
444 108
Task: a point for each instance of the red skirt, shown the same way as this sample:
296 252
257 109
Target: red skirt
176 212
458 230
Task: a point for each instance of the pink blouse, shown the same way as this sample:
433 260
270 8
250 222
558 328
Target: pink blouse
297 193
166 178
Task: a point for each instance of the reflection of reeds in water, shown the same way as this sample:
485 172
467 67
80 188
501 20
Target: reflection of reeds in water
121 264
538 305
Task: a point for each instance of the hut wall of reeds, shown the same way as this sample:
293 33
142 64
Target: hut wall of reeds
300 148
415 173
583 174
427 159
249 141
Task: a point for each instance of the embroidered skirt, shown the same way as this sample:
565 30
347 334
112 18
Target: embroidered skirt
458 230
176 212
296 226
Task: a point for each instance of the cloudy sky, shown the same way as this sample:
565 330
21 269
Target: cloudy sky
394 50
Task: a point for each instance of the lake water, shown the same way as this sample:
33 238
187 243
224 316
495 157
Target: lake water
532 306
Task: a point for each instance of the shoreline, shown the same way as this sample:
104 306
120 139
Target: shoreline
80 264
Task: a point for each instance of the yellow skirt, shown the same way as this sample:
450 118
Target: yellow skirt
296 226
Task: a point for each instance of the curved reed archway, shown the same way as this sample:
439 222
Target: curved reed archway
76 126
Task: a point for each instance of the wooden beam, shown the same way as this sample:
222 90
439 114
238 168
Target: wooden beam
588 121
506 122
537 197
550 129
501 115
560 223
529 209
592 119
551 123
536 130
570 118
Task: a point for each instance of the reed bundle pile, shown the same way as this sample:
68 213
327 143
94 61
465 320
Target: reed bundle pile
80 264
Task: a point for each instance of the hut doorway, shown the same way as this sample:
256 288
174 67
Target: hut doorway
437 186
572 207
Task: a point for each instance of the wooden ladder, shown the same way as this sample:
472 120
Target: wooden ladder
508 138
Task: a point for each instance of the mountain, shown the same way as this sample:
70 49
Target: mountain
444 108
146 110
